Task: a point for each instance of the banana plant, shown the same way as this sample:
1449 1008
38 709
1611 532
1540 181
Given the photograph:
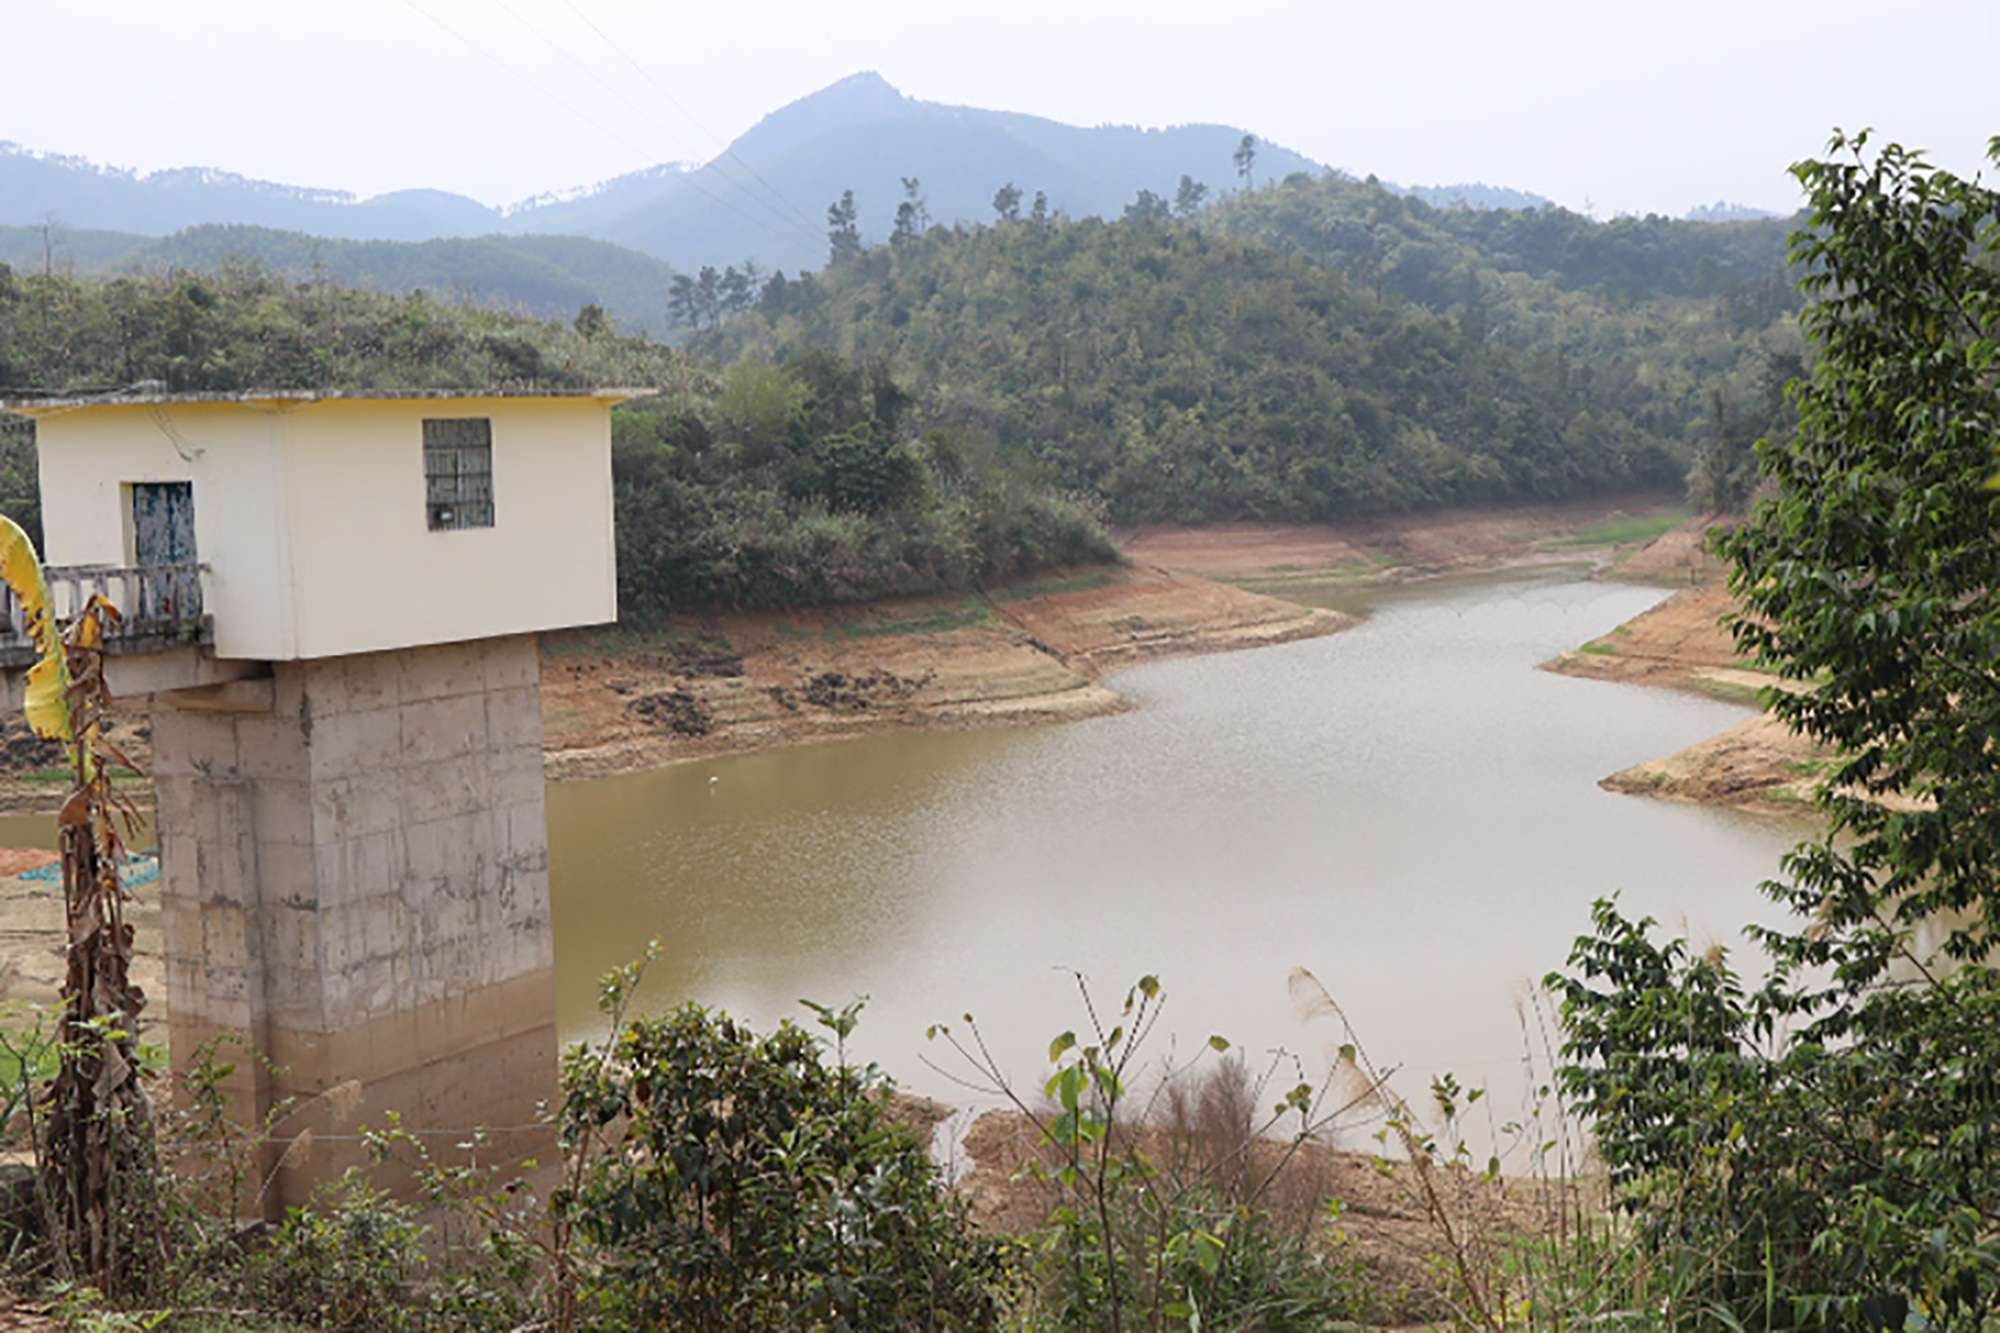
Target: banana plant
47 699
95 1134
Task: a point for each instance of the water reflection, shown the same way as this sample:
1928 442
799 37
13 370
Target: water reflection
1410 810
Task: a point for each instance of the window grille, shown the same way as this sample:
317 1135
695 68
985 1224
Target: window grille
458 473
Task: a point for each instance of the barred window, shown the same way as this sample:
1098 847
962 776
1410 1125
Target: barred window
458 472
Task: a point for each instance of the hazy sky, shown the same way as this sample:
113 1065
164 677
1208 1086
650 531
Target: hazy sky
1621 105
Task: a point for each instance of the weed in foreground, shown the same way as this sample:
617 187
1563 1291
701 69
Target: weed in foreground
1175 1199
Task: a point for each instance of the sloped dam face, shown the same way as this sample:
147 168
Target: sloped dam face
1408 810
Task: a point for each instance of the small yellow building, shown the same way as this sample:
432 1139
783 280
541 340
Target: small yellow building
343 593
330 523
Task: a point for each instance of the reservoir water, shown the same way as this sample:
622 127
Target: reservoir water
1409 809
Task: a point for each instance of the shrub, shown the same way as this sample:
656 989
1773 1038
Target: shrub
348 1262
1188 1205
745 1183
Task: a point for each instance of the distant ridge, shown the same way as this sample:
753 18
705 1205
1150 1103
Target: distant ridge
1473 196
764 199
1721 211
35 187
550 276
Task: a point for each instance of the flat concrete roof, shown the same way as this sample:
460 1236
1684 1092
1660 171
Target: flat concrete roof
143 397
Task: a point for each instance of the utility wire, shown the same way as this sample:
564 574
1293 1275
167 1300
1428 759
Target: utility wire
674 102
809 232
611 134
805 229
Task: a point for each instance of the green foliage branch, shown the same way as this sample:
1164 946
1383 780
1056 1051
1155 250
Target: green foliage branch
1872 577
1824 1151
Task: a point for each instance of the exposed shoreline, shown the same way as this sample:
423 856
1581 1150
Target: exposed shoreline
746 682
1757 765
1037 652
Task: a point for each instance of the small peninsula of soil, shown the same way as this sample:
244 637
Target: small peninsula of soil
1684 643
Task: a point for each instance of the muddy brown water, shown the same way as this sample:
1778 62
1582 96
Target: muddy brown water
1409 810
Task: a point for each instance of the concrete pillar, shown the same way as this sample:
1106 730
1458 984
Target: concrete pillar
355 873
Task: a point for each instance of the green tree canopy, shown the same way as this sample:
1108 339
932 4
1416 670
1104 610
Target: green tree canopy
1181 372
1824 1152
843 231
1872 576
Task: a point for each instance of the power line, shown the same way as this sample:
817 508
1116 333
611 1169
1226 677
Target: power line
674 102
810 230
611 134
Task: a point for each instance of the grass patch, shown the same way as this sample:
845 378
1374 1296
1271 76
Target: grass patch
672 640
1100 578
1620 531
1728 691
931 620
1292 580
1607 646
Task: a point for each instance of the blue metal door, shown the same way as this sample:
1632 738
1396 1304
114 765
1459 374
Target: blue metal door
163 542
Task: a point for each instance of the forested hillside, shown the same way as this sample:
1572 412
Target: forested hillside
550 276
241 327
761 487
955 405
1398 243
1398 356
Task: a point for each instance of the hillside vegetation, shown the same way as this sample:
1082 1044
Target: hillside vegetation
956 405
1398 356
1443 258
549 276
752 489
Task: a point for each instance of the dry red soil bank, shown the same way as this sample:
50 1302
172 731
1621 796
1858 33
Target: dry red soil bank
751 681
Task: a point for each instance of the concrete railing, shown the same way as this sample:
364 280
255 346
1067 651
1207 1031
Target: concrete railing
159 606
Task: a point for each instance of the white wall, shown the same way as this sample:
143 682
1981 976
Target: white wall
370 572
234 455
312 516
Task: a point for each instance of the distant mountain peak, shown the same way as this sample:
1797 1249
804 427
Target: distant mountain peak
857 99
866 80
